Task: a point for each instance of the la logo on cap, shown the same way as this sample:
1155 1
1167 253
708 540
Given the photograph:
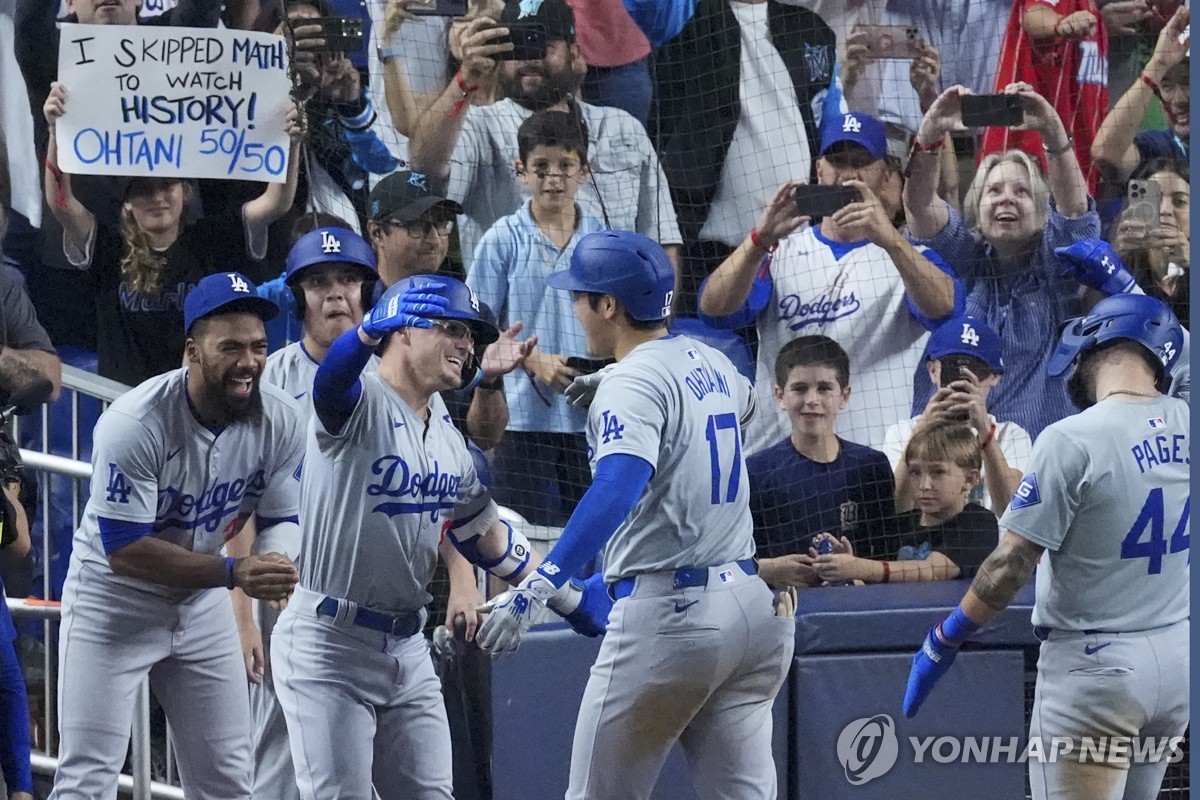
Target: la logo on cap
237 284
851 124
330 243
969 335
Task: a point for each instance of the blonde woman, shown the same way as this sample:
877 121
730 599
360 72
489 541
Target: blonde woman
146 265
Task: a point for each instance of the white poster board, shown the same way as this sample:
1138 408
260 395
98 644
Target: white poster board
173 102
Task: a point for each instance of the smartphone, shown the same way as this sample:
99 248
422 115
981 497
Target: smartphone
341 34
991 110
439 8
895 42
1145 200
821 201
528 38
952 368
586 366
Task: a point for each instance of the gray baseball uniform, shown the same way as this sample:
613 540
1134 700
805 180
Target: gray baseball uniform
155 466
1107 493
364 706
694 652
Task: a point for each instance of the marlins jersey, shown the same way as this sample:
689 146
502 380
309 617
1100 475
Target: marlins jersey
293 369
374 497
677 404
1108 494
154 463
853 294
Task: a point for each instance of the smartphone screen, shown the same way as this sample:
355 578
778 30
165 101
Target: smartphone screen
341 34
821 201
529 41
991 110
440 8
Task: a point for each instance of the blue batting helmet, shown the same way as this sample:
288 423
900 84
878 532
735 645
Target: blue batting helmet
463 305
629 266
329 246
1135 317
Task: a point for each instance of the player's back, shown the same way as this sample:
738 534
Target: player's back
1123 563
677 403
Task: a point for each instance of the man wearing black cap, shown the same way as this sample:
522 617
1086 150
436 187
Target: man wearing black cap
408 226
180 463
475 147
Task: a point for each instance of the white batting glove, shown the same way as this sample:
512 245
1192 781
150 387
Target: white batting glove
512 613
583 388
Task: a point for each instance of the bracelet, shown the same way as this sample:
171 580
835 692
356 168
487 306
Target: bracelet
229 562
887 572
1146 79
466 89
990 437
1060 22
1066 148
60 194
496 384
757 241
932 147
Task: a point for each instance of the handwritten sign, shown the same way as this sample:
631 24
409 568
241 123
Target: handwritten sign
176 102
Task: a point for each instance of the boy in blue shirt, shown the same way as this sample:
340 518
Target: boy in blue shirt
814 481
540 465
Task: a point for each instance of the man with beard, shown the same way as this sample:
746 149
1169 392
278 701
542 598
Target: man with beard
475 147
180 463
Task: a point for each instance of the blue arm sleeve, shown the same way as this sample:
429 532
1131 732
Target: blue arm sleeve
960 294
336 388
116 533
619 483
660 20
14 719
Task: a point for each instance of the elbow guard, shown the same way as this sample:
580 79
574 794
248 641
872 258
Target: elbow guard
465 535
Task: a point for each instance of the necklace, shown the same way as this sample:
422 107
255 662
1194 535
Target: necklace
1129 391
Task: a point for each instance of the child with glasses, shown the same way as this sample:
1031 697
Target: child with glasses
541 463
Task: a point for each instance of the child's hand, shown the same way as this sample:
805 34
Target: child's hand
839 567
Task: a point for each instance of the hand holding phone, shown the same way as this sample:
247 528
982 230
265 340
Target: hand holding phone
893 42
528 41
991 110
1145 200
820 201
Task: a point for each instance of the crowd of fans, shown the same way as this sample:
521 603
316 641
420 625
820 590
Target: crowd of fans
900 340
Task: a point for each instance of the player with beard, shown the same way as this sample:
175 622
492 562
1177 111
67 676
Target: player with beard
474 147
180 463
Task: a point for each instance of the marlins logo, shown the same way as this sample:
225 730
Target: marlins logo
820 63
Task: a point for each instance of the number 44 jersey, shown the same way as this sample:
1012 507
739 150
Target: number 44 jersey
678 405
1107 493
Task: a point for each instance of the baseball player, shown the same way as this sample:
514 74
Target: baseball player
694 651
383 476
1107 500
179 464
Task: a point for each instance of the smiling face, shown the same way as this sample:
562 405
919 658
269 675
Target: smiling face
228 352
812 396
540 84
1175 210
440 352
1175 87
105 12
1008 212
332 301
553 175
156 204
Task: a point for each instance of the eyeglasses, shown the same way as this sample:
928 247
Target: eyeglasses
419 229
567 169
455 329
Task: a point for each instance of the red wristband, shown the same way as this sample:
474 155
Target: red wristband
60 194
887 572
462 84
989 438
756 240
1146 79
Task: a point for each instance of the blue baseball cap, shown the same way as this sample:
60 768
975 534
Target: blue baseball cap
861 129
227 292
966 336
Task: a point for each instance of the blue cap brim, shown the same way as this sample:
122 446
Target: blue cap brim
563 279
261 307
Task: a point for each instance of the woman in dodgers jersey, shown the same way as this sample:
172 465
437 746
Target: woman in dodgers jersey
1105 506
694 651
383 477
181 462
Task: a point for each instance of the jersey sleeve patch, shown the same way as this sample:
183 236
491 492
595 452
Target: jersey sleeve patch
1027 493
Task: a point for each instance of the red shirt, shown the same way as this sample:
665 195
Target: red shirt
1072 74
607 35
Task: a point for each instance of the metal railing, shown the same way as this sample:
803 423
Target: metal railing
78 386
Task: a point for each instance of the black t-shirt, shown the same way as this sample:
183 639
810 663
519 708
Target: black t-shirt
140 334
967 539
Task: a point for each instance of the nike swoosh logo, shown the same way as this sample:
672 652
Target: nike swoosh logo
173 453
1089 650
681 607
298 396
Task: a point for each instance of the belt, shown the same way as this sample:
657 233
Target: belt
406 624
1042 633
685 578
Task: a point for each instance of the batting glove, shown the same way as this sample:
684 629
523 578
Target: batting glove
935 657
511 613
583 388
585 605
1094 263
411 308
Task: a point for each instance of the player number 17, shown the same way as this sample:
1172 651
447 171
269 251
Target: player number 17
715 433
1153 516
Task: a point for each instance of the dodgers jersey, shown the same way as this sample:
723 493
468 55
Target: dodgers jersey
1108 495
677 404
374 498
153 462
852 293
293 370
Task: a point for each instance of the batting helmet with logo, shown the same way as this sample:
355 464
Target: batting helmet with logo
1134 317
464 305
629 266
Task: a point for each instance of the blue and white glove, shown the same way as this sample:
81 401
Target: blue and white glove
592 604
510 614
1094 263
410 308
935 657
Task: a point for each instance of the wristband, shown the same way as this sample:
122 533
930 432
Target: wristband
758 242
496 384
466 89
1146 79
229 562
990 437
1066 148
887 572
